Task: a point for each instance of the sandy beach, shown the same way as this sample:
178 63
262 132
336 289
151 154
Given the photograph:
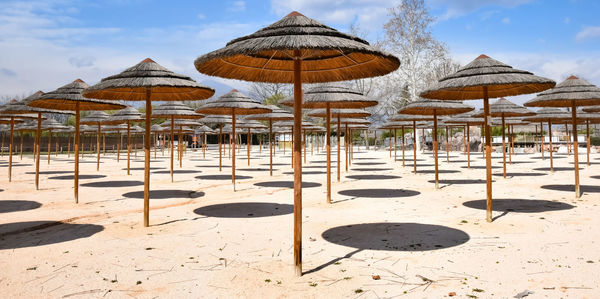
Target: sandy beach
388 233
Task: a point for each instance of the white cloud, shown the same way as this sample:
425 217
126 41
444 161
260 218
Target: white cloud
590 32
458 8
237 6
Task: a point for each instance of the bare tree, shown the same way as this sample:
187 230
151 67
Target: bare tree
263 91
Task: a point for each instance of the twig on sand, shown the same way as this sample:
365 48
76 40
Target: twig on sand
83 293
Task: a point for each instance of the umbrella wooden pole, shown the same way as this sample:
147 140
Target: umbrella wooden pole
49 144
10 147
503 148
248 141
76 153
550 149
447 146
390 147
535 139
220 141
298 167
339 130
346 145
260 138
542 139
312 141
203 145
98 148
488 154
375 141
119 145
575 148
171 142
510 143
229 138
128 146
395 146
271 149
2 147
68 145
414 137
180 147
163 145
328 148
465 138
155 144
304 142
234 134
148 124
423 140
103 143
587 138
292 153
21 147
435 148
38 136
468 143
403 146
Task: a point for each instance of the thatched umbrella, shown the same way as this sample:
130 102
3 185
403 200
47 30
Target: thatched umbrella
220 120
435 108
202 129
571 93
468 119
233 103
68 97
12 119
250 125
328 97
96 118
148 81
277 114
504 108
23 108
589 118
172 111
126 116
297 50
483 78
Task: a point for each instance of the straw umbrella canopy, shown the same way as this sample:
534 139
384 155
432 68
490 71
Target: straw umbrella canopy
276 114
148 81
328 97
297 49
172 111
126 115
250 125
483 78
233 103
219 120
23 108
468 119
435 108
69 97
571 93
96 118
503 108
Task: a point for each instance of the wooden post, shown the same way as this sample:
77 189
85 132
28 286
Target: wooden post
180 147
403 146
98 148
542 139
435 148
49 144
551 150
488 154
10 147
328 148
128 145
76 153
21 150
503 148
375 141
38 136
535 139
465 128
390 147
204 145
510 143
298 163
234 134
568 139
447 146
346 145
395 145
575 147
414 137
148 123
119 144
172 146
587 134
220 141
339 130
248 141
68 145
468 146
304 142
271 149
155 143
104 143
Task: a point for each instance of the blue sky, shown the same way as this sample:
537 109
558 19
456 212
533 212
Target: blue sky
46 44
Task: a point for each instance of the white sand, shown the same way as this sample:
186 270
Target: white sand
549 247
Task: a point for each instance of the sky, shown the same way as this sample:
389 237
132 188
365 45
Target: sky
47 44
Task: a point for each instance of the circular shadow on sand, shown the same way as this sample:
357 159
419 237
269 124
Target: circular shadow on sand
7 206
418 165
460 182
221 177
274 164
571 188
142 168
315 166
245 210
556 168
369 163
480 167
516 162
372 177
439 171
595 177
524 174
51 172
113 184
81 177
39 233
306 172
15 165
366 158
547 157
286 184
371 169
396 236
379 193
519 205
177 171
253 169
86 162
165 194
